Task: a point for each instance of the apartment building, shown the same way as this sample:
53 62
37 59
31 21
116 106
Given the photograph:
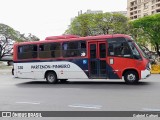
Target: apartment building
141 8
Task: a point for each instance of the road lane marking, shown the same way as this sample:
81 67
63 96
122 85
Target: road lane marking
86 106
35 103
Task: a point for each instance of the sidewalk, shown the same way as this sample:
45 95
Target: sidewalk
4 69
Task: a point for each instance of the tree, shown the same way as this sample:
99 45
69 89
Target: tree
81 25
31 37
150 26
95 24
8 34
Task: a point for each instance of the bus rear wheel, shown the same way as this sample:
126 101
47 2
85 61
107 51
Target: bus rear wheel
51 77
131 77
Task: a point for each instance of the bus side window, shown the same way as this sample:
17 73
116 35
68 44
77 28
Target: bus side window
20 52
74 49
27 51
55 50
82 48
70 49
44 51
111 49
34 51
120 49
125 50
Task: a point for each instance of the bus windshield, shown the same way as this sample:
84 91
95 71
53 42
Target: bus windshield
143 53
140 49
134 50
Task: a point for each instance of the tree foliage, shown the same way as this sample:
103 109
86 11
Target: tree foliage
8 34
95 24
150 27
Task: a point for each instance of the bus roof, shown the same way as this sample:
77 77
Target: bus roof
61 37
64 38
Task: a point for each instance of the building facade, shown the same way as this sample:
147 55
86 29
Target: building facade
140 8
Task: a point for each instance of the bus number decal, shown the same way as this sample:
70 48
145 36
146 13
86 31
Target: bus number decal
20 67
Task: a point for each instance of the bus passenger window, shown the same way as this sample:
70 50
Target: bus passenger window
83 48
49 50
55 50
44 51
34 51
27 51
74 49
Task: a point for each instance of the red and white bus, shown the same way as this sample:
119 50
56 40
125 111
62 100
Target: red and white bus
71 57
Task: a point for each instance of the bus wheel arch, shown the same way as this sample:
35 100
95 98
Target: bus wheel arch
51 77
131 76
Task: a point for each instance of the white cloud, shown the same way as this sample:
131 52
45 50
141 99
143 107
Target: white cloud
50 17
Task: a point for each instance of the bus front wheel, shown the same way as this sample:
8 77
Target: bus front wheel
51 77
131 77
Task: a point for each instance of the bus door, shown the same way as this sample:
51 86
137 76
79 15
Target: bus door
97 59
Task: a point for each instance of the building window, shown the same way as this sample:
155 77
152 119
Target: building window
158 11
135 12
135 17
131 13
133 3
135 7
158 5
131 9
145 6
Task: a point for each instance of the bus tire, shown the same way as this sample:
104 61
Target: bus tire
131 77
51 77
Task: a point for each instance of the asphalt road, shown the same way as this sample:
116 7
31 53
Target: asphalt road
82 95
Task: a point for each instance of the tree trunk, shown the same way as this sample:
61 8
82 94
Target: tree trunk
157 48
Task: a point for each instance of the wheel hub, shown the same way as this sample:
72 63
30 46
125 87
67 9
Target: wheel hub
131 77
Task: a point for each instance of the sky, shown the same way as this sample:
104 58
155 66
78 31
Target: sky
50 17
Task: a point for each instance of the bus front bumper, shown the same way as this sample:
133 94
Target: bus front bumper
145 73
